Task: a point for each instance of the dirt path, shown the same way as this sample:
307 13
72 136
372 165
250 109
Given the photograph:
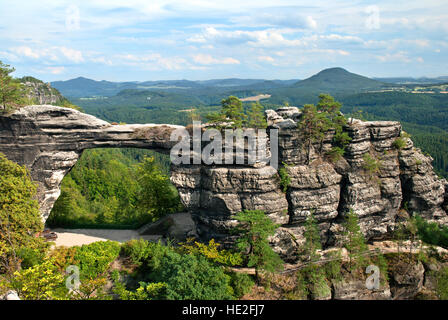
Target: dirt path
78 237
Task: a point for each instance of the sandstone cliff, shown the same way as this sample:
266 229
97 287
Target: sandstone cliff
49 140
405 179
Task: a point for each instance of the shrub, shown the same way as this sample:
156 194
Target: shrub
191 277
370 164
241 283
285 179
431 232
137 250
399 143
212 253
335 154
30 257
146 291
94 259
442 283
40 282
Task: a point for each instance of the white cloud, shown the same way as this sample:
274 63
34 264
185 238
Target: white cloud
208 59
72 54
49 54
265 59
259 38
311 23
400 56
26 52
153 61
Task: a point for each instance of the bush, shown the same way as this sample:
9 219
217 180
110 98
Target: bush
399 143
191 277
241 283
40 282
431 232
212 253
371 165
137 250
94 259
442 284
146 291
30 257
335 154
285 179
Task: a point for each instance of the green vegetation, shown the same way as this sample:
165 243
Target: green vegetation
285 179
20 218
11 91
354 241
110 188
431 232
254 229
256 117
370 164
316 122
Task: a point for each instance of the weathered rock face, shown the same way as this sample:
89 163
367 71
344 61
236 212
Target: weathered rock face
49 140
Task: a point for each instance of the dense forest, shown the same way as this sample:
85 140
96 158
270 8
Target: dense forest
113 188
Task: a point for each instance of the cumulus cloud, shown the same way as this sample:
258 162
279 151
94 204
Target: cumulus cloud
258 38
72 54
208 59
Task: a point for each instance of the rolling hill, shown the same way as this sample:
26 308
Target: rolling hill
339 80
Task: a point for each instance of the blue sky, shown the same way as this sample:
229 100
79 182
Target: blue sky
124 40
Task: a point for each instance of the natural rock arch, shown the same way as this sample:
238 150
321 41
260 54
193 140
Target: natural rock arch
49 140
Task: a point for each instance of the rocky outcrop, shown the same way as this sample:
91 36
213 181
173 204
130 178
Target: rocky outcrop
176 226
407 279
373 178
41 92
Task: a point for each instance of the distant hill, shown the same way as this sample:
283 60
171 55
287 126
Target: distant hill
84 87
338 80
409 80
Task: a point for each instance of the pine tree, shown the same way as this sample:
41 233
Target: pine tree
312 240
231 114
254 229
312 127
256 118
354 240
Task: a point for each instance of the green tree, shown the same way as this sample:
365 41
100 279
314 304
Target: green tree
254 229
11 91
20 219
354 240
312 240
157 196
256 117
188 276
312 126
231 114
